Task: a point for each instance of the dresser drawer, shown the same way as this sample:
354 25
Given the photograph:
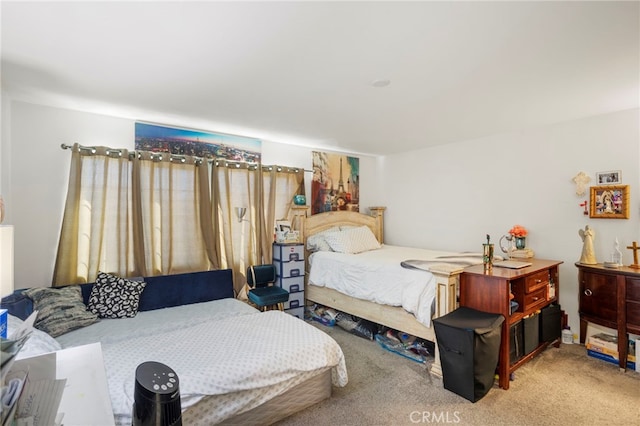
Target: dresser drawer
296 300
598 296
535 299
536 281
633 313
289 269
292 285
633 289
288 252
296 312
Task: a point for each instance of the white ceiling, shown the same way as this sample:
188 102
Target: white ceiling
301 72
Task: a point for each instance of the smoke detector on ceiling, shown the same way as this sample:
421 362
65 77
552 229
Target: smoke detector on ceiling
381 83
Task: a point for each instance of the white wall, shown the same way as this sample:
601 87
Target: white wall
5 146
297 156
36 182
445 197
451 196
39 178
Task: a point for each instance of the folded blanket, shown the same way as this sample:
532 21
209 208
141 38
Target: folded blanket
449 263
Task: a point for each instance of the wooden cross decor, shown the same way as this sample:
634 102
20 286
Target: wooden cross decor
634 246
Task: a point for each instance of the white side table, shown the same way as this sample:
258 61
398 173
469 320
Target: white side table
85 401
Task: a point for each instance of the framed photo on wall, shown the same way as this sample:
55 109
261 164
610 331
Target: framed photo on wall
609 202
609 178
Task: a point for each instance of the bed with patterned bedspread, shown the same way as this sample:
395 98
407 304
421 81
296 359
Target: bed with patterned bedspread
232 360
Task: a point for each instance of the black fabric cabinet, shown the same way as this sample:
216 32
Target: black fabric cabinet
469 344
516 345
531 332
550 323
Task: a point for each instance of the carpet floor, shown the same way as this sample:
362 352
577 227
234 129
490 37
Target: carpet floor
561 386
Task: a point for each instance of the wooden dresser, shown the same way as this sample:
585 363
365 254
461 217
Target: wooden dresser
610 297
491 292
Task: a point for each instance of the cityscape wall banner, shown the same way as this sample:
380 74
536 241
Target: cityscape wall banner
175 140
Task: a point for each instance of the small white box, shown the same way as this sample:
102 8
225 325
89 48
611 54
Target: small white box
292 285
289 269
605 341
602 350
606 349
296 300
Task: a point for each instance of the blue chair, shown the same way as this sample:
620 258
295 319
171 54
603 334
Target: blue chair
264 294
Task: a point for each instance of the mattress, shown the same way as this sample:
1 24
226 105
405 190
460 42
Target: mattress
238 358
296 398
378 276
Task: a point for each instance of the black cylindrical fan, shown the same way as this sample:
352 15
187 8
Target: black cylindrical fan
156 396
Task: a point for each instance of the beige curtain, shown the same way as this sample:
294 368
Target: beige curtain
279 185
96 231
236 186
173 214
144 214
139 216
266 196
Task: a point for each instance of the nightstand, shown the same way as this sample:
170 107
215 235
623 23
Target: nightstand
531 288
610 297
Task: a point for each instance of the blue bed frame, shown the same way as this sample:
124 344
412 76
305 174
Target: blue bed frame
162 291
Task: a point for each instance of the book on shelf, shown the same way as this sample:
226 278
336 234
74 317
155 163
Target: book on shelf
522 253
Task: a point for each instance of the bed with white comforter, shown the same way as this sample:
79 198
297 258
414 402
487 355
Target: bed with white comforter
226 354
353 271
377 276
389 275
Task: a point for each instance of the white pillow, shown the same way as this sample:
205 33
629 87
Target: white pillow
318 242
38 342
353 240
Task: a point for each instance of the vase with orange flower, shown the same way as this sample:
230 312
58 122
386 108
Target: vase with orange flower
519 234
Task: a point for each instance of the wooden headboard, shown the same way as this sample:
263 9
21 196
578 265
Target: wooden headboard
319 222
393 317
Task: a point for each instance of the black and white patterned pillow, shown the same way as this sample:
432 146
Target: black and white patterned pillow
115 297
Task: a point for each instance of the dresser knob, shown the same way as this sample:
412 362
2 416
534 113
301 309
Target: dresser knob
538 281
588 292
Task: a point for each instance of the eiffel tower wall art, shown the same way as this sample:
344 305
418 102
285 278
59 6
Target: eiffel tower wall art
336 183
